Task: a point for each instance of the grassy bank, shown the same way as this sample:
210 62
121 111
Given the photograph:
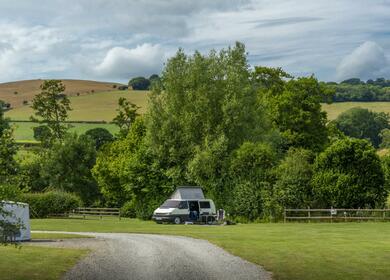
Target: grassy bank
290 251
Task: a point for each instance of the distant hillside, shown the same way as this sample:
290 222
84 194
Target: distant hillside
16 93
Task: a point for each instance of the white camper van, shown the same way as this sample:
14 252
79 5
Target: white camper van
186 204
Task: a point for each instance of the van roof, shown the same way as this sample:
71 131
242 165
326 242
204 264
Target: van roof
188 192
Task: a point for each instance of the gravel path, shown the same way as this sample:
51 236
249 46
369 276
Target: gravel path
147 256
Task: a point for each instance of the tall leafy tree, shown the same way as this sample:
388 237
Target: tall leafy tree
8 149
51 108
127 113
348 174
293 188
295 107
67 166
205 98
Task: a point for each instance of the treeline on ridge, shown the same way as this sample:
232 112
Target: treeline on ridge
355 89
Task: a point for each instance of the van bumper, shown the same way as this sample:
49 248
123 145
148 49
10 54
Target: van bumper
169 218
163 218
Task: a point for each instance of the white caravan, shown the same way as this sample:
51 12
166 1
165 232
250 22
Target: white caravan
187 204
18 213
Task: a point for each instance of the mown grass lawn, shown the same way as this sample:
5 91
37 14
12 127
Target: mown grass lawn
290 251
40 263
32 262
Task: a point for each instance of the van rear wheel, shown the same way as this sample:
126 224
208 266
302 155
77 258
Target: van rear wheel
177 221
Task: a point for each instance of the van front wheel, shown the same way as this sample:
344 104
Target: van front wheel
177 220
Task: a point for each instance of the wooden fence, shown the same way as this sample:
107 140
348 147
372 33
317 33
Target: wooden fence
98 212
336 215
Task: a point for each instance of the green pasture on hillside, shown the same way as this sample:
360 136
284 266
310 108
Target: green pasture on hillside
336 109
92 107
290 251
24 130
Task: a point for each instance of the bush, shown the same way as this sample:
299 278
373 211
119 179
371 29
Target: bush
50 203
42 133
348 174
100 136
128 210
9 192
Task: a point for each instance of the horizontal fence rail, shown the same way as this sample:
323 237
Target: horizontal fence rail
336 214
92 211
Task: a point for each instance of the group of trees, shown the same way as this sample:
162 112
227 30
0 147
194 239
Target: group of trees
364 124
256 139
142 83
356 90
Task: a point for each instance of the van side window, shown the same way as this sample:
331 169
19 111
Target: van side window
204 204
183 205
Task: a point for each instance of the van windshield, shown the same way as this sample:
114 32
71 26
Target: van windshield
170 204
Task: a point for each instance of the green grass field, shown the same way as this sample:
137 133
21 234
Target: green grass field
336 109
24 130
290 251
31 262
92 107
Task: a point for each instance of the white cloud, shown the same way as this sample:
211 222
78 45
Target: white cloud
366 61
123 63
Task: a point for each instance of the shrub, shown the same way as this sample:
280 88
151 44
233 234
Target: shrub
42 133
348 174
9 192
100 136
50 203
128 210
25 102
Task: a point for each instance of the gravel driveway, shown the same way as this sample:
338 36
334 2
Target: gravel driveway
147 256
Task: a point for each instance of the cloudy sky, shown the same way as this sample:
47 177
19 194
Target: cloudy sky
117 39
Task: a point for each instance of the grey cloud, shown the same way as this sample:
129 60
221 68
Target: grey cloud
283 21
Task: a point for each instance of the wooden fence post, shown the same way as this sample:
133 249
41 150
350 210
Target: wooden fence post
284 215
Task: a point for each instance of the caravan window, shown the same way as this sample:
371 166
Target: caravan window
170 204
204 204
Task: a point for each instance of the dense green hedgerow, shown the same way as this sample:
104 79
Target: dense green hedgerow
50 203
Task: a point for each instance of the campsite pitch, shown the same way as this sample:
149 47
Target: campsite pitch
289 251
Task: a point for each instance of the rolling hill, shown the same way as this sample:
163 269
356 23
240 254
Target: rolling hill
99 106
17 92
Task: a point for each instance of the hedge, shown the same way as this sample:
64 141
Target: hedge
50 203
